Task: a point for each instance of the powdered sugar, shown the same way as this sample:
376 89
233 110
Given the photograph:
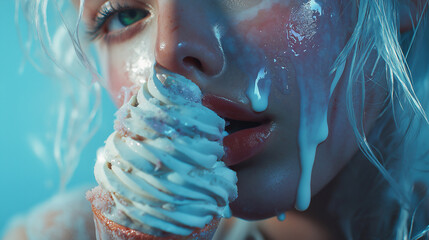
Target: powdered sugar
100 199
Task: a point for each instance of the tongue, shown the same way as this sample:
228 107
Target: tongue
244 144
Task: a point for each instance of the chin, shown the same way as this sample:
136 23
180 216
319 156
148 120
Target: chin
258 207
264 192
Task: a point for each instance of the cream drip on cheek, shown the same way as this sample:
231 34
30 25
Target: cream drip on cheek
267 34
315 83
285 33
302 27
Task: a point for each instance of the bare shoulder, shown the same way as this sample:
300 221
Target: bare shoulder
16 230
65 216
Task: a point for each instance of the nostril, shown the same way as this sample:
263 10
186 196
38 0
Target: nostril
193 62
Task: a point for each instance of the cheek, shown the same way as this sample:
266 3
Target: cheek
113 65
298 41
268 28
127 66
268 32
119 84
300 44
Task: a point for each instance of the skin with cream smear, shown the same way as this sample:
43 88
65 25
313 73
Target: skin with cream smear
268 60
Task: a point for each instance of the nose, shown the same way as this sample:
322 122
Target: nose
186 40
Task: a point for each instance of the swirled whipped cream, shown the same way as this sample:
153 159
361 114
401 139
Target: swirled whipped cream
162 164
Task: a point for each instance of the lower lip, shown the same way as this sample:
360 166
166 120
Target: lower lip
243 145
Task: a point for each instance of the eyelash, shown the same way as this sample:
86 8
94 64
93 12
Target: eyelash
104 16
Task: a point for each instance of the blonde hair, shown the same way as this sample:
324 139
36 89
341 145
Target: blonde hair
56 50
397 146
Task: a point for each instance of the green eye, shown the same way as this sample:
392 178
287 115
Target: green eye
131 16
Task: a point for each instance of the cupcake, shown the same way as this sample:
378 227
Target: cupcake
108 229
160 173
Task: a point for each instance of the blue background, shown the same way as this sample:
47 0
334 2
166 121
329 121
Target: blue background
26 97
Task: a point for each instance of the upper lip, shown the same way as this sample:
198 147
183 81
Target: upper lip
227 108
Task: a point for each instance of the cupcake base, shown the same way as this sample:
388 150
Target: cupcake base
109 230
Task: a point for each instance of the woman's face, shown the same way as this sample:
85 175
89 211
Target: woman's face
264 65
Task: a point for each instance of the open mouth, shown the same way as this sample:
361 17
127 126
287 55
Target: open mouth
232 126
245 140
248 132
